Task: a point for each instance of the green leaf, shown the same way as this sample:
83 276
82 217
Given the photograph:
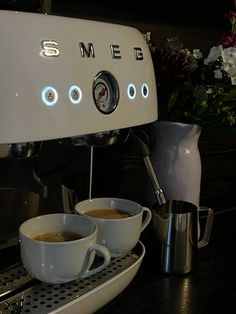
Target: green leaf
174 43
173 98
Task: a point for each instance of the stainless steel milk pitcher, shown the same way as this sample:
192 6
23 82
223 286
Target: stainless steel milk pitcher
177 225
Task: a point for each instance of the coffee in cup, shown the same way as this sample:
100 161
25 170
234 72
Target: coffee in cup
58 248
109 213
120 222
59 236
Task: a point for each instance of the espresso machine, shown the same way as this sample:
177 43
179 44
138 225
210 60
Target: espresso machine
78 82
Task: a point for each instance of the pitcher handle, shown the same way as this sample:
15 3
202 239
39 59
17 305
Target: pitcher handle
147 218
208 226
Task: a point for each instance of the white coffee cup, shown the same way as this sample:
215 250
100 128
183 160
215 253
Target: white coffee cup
59 262
119 235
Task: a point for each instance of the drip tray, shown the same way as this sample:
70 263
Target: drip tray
20 293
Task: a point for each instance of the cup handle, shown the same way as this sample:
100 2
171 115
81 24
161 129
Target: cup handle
86 272
147 218
207 231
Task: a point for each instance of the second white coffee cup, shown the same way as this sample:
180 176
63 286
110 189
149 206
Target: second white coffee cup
120 222
58 248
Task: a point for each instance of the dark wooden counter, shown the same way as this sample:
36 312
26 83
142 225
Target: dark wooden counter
211 289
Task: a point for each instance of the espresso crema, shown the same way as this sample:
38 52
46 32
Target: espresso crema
58 236
108 213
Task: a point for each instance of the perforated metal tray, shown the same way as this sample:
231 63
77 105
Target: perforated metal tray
20 293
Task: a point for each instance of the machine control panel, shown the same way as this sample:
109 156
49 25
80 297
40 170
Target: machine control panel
64 77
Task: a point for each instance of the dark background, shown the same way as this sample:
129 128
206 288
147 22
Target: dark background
204 13
200 13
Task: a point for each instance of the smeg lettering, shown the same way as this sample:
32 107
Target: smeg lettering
50 48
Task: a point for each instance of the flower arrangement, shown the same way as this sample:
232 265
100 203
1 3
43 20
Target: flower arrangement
193 88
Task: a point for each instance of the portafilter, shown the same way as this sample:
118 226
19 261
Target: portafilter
106 138
20 150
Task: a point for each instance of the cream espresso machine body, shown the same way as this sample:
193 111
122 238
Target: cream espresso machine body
64 78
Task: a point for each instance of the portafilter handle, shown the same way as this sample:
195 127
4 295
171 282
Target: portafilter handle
144 151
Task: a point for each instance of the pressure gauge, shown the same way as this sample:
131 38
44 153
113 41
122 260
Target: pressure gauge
105 92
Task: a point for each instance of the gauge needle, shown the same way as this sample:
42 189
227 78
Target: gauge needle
102 93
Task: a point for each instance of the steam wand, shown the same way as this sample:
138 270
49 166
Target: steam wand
144 151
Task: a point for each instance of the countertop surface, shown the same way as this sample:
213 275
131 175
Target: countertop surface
211 288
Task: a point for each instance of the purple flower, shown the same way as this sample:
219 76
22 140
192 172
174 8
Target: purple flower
228 40
230 15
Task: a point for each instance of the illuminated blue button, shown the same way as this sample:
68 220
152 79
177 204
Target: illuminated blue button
75 94
131 91
49 96
145 90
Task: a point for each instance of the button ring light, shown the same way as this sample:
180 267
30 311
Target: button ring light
75 94
49 96
131 91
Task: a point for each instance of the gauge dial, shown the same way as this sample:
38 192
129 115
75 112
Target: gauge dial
105 92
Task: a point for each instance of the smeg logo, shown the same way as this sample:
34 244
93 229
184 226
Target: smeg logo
50 48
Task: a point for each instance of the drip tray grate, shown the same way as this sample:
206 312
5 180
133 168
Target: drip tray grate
12 279
42 297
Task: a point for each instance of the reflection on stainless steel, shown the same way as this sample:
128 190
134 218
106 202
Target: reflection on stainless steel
69 198
16 206
20 150
12 279
177 232
141 139
105 138
158 192
37 179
